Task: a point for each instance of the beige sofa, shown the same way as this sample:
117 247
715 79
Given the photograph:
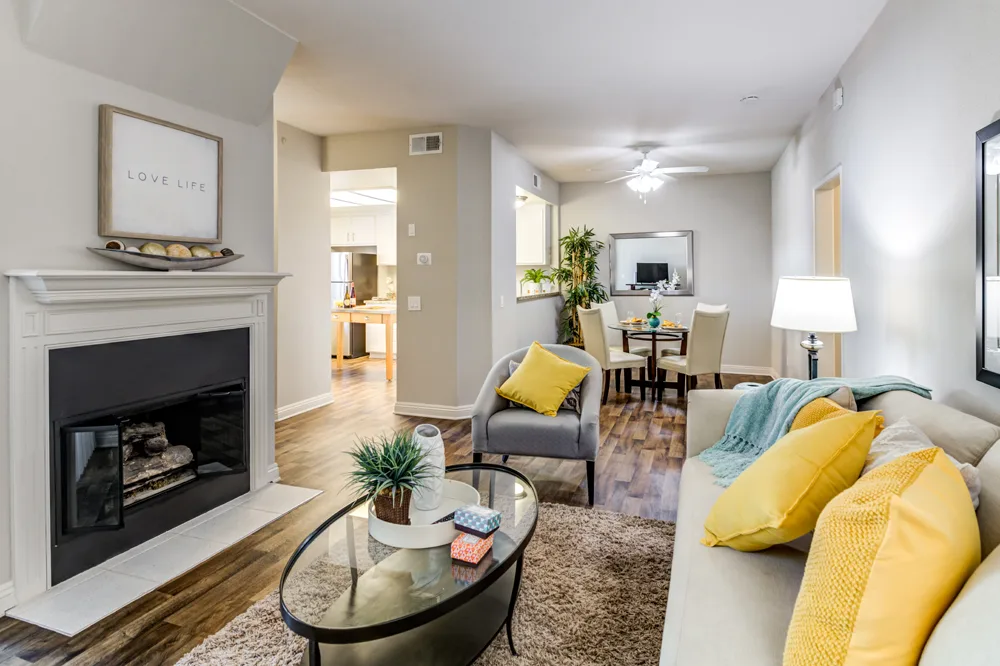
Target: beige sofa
727 607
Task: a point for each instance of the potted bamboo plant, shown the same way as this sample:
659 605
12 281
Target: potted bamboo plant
577 274
388 468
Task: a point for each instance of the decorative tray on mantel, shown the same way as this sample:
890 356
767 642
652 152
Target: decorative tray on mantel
161 263
423 531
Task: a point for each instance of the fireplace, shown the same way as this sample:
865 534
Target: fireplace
146 434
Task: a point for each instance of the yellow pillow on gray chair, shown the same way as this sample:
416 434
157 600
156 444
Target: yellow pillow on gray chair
542 381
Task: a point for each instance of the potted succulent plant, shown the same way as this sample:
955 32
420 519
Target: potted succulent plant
388 468
535 276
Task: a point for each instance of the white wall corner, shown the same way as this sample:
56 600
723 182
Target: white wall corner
433 411
303 406
8 598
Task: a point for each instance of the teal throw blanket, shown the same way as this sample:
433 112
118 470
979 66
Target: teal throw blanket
763 415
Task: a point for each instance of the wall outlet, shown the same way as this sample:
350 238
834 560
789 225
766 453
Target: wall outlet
501 300
423 258
411 229
413 303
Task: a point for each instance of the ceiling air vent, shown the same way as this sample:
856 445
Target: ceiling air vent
426 144
536 181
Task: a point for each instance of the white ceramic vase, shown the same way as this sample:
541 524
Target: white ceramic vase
428 496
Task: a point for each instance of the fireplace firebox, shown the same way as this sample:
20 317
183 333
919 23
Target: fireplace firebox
146 434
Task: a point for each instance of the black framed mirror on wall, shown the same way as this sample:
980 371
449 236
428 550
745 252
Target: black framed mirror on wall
988 254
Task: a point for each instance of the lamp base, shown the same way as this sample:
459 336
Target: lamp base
812 344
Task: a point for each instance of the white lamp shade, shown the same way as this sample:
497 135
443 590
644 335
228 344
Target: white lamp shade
814 305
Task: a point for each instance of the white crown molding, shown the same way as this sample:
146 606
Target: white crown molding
69 286
52 308
303 406
433 411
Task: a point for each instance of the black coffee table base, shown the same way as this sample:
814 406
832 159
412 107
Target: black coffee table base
456 638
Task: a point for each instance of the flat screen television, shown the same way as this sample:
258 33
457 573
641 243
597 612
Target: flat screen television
651 273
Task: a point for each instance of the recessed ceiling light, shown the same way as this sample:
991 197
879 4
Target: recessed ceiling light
750 99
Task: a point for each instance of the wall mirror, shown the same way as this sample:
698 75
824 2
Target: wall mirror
639 261
988 255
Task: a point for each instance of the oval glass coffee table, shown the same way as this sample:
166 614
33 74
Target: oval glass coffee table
359 601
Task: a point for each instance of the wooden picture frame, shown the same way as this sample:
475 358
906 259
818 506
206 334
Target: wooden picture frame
156 200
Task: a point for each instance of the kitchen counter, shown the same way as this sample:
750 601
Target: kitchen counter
365 314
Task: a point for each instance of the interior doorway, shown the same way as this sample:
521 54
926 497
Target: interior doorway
827 263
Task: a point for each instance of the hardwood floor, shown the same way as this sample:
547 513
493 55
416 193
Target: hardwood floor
642 449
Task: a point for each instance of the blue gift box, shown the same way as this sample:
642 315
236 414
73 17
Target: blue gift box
478 520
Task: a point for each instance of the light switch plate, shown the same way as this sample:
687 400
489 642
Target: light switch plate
412 229
413 302
424 258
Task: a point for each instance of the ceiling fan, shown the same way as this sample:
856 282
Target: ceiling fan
648 176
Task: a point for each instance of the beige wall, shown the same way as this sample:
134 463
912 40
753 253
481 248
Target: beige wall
731 220
48 187
303 249
427 356
917 89
509 171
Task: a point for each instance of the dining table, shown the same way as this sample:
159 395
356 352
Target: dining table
660 334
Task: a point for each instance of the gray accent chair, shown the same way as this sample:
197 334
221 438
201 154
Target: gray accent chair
498 428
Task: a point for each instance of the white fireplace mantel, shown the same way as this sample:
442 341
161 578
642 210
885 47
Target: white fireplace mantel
64 308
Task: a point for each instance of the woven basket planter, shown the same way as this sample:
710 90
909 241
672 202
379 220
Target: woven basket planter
398 513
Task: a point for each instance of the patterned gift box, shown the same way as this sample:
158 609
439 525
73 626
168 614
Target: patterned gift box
471 549
477 520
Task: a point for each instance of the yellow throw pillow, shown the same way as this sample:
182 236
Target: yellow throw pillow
780 496
542 381
821 409
887 559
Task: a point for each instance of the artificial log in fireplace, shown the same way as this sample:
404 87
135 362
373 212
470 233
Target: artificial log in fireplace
136 454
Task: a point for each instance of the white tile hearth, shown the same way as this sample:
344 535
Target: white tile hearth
74 605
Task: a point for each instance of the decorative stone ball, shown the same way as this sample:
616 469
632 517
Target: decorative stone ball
179 251
114 245
200 251
226 252
153 248
216 253
132 248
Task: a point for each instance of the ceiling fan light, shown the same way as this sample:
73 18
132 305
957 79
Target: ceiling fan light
657 183
633 184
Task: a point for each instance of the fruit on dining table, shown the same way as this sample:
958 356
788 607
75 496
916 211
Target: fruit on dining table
153 248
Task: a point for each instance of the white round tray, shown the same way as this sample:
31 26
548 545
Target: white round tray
422 532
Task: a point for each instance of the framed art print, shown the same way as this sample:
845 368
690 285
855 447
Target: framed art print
157 180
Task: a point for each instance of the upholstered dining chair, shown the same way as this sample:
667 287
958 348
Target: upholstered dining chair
499 428
702 307
594 341
609 313
704 350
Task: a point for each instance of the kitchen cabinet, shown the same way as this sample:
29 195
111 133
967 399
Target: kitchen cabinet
533 234
385 238
352 230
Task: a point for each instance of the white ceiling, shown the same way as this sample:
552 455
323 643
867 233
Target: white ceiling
571 82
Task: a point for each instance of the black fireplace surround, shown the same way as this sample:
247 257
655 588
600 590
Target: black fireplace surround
146 434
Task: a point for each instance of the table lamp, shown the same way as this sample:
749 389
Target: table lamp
814 305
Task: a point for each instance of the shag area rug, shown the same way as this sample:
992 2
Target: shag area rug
594 592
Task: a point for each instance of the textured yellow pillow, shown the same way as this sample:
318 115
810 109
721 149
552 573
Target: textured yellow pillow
780 496
542 381
821 409
887 559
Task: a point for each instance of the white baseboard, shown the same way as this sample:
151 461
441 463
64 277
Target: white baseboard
433 411
303 406
380 356
748 370
273 475
7 597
